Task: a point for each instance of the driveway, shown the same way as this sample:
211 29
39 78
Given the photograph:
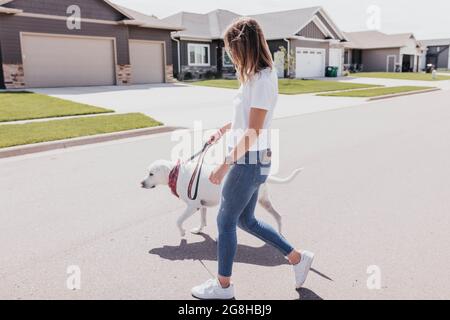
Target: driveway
182 105
374 195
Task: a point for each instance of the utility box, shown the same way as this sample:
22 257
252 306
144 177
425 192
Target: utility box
430 68
331 72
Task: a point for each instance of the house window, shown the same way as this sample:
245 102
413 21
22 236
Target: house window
198 54
227 62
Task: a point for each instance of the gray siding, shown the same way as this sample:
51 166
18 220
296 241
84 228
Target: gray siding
2 81
443 59
136 33
175 58
311 31
325 22
90 9
11 26
376 60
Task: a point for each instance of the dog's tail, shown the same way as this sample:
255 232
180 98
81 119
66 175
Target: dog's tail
275 180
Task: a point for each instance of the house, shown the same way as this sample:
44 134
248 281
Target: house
55 43
437 53
311 38
374 51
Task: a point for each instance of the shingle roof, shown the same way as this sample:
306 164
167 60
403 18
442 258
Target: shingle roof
147 21
435 42
284 24
212 25
136 18
376 40
204 26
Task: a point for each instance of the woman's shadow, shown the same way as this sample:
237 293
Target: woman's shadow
266 256
207 251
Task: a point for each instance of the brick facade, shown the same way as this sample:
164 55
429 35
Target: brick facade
169 73
123 74
14 76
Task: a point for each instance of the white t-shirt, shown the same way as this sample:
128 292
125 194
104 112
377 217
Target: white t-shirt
261 92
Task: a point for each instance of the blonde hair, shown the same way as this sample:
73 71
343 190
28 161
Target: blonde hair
248 48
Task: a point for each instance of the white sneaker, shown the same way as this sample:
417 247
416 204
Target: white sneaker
301 270
212 290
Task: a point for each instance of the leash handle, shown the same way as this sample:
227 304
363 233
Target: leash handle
197 171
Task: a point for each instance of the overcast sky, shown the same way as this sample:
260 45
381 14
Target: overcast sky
395 16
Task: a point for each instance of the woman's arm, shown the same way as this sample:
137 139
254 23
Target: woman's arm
220 133
256 123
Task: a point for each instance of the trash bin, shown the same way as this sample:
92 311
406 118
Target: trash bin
331 72
430 68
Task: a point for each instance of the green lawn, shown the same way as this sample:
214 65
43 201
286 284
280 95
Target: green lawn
375 92
20 134
27 105
419 76
291 86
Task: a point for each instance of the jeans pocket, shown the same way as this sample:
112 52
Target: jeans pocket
263 172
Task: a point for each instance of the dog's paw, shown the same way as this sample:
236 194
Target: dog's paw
197 230
182 233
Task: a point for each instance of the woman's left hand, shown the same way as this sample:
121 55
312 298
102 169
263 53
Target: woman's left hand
218 174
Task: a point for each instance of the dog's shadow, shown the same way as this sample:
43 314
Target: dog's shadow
207 251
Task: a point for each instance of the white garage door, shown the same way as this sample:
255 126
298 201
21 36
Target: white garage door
147 62
63 61
310 62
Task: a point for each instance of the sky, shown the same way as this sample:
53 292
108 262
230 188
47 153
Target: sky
390 16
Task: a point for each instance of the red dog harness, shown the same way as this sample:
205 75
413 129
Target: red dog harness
173 175
173 178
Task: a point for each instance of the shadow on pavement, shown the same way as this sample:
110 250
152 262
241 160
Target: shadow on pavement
306 294
207 250
266 255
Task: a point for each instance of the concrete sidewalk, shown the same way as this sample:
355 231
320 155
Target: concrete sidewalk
181 105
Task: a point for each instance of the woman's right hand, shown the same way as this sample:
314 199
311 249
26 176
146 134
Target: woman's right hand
215 137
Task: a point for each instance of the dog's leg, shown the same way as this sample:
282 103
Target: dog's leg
186 215
199 230
266 203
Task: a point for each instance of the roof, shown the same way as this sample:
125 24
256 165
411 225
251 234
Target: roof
284 24
376 40
435 42
276 25
146 21
203 26
133 17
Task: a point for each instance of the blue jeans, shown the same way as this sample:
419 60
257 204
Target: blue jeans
237 208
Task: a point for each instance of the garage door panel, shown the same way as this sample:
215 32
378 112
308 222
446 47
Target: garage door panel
147 62
310 62
59 61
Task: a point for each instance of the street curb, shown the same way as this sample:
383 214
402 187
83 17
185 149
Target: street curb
403 94
68 143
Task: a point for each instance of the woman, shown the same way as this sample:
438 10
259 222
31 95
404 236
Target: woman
247 165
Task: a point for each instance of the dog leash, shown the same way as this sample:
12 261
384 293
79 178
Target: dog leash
197 172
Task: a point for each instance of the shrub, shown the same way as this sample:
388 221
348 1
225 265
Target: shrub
210 75
187 76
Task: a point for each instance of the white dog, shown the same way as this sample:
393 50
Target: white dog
209 194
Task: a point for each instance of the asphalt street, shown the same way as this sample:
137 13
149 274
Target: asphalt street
374 195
